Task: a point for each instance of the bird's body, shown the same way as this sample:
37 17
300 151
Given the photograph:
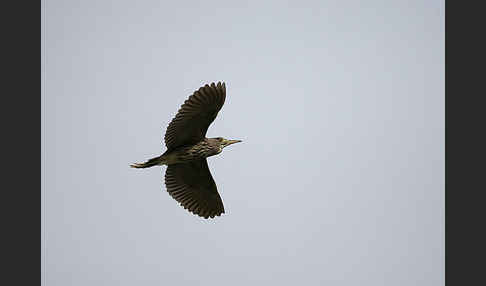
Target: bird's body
205 148
187 177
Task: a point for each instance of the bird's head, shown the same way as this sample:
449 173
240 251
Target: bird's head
225 142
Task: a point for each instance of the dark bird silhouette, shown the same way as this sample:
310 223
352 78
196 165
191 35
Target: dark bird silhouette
187 178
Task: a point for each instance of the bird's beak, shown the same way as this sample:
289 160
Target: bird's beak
229 142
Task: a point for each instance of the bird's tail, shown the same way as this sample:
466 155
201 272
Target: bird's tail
151 162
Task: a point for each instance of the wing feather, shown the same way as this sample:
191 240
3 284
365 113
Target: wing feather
192 121
192 185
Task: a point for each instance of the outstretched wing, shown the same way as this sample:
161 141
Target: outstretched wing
191 122
192 185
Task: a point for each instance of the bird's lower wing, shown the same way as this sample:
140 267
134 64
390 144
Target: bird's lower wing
192 185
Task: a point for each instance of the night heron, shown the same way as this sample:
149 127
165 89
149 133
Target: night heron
187 178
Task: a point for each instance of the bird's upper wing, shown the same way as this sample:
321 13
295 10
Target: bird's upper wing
192 185
191 122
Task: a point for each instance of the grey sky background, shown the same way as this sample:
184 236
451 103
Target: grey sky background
339 180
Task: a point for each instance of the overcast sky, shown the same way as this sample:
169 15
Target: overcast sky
340 176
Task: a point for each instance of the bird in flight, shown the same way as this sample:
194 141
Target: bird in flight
187 178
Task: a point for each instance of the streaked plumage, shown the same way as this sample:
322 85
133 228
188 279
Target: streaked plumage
187 178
